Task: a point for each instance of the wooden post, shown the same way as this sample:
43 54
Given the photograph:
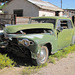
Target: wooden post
14 18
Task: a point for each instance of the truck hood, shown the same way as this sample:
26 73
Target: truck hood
40 38
16 28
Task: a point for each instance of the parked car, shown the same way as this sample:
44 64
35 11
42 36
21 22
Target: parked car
40 38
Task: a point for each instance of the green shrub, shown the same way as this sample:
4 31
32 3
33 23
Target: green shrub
29 70
5 61
64 52
32 69
60 54
51 60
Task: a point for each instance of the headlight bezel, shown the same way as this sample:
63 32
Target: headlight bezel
26 42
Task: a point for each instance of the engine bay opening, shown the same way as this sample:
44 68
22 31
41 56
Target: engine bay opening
34 31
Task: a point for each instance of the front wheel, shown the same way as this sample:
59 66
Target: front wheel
42 57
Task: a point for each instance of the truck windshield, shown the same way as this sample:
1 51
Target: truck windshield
53 21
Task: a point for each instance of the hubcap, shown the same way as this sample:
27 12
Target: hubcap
43 55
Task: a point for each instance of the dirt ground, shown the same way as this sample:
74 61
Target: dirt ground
65 66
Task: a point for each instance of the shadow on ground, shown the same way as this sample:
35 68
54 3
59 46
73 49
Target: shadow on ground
20 61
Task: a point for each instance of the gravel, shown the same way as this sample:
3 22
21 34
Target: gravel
65 66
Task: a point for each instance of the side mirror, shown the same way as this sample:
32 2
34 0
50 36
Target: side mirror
60 29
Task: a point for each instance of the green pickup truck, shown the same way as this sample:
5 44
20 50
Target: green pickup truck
40 38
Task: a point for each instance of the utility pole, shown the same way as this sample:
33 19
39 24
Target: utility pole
0 3
61 3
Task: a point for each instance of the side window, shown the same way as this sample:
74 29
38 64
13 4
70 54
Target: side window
70 24
64 24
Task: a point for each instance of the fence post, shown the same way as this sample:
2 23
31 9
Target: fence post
14 18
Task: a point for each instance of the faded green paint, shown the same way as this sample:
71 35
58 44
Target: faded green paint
52 17
65 38
58 41
16 28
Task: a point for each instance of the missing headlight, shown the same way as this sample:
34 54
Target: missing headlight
26 42
31 43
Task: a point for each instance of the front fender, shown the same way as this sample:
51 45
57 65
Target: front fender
41 42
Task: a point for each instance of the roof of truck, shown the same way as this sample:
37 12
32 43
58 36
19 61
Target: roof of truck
53 17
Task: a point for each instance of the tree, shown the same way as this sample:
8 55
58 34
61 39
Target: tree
2 4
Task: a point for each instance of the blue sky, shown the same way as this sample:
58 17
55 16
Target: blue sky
66 4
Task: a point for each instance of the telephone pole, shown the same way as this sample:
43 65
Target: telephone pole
61 3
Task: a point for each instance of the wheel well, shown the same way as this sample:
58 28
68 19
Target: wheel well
49 46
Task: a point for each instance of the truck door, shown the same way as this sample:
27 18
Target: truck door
65 33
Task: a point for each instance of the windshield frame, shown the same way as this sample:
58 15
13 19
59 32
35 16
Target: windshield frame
41 19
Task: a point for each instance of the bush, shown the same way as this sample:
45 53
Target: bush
32 69
52 60
64 52
5 61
